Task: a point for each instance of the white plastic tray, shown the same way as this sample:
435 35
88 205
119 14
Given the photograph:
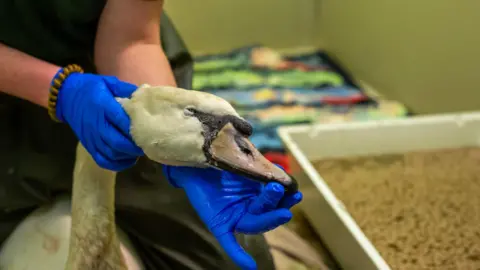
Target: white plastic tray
337 228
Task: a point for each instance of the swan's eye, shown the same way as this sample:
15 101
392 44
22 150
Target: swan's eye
189 111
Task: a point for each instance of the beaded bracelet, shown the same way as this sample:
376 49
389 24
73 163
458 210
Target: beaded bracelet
57 82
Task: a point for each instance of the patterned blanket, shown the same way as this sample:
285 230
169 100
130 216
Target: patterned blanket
271 90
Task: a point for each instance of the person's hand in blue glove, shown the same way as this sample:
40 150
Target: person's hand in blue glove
87 103
228 204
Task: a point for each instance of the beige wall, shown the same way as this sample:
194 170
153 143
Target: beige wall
219 25
423 53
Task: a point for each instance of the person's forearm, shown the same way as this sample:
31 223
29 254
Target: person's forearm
24 76
128 43
136 63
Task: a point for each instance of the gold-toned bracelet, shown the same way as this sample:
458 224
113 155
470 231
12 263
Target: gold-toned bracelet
57 82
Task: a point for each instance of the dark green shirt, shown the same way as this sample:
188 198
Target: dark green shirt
63 31
58 31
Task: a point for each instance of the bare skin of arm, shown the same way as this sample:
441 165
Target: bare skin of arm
128 43
24 76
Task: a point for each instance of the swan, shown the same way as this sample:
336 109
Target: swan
173 126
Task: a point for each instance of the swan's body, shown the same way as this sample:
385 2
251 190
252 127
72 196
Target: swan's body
173 126
42 240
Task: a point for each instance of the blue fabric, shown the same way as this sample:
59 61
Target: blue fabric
267 139
87 103
230 204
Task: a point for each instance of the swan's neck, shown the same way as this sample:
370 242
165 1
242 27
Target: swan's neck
93 241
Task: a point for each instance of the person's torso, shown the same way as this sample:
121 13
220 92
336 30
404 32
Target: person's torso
37 154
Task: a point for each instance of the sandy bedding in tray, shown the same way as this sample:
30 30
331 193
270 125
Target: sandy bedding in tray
421 210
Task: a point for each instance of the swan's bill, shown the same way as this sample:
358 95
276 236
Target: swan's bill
232 151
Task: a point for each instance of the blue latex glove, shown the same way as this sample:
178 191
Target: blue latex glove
228 203
87 103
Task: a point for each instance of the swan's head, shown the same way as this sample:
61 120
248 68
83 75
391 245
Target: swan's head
182 127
